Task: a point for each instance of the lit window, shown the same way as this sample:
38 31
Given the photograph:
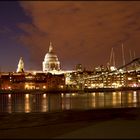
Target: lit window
61 86
129 78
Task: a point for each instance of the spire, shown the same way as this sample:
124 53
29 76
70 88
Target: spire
50 47
20 65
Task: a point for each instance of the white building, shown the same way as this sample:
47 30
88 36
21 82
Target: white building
51 62
20 65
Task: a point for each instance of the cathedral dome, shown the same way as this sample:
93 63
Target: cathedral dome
51 61
50 56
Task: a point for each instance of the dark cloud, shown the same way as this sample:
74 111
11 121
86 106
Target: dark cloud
81 32
5 30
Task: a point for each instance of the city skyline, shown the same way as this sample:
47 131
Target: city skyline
81 32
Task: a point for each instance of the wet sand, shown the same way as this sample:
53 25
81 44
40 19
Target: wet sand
98 123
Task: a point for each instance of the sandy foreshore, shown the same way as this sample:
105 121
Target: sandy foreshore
98 123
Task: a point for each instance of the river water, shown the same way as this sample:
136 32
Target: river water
49 102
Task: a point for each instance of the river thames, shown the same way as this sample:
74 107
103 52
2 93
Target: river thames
46 102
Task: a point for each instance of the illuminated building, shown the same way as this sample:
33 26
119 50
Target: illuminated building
20 65
52 77
51 62
43 81
103 79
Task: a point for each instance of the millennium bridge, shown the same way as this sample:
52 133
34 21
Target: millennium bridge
127 75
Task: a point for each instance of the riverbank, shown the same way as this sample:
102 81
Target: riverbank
70 90
111 89
98 123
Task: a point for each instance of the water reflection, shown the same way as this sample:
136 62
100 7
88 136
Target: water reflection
9 104
44 103
27 103
65 101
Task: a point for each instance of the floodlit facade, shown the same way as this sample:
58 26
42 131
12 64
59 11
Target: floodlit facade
28 81
20 67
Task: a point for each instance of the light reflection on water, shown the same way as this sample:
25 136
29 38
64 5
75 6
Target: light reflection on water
65 101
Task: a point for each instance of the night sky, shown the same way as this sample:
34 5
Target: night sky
81 32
